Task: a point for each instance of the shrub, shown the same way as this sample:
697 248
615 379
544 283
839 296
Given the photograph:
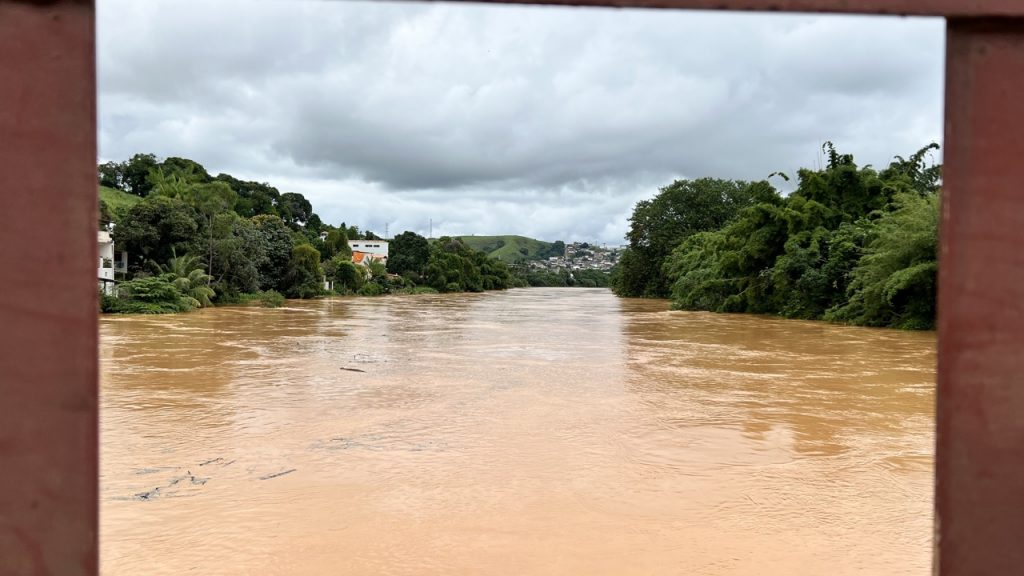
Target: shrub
304 273
271 299
370 289
152 295
108 303
233 298
347 277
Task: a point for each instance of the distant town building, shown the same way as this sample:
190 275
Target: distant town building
366 251
581 256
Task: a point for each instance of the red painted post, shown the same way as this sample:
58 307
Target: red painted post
980 451
48 320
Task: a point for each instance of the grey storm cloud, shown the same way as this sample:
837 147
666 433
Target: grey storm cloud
543 121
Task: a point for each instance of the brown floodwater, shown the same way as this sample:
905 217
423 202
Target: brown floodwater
538 431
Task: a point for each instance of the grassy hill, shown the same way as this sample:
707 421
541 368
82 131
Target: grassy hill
117 200
508 248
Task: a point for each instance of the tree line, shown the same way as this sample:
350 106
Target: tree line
195 240
850 244
562 278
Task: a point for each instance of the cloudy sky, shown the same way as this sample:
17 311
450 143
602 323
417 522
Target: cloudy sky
546 122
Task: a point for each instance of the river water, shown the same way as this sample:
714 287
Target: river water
538 431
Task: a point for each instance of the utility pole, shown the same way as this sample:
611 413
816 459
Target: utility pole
385 230
431 233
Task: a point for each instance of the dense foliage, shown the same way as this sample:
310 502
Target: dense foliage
894 283
195 240
565 278
150 295
304 273
850 244
410 254
455 267
657 226
187 275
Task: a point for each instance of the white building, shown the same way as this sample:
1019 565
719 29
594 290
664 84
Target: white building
366 251
108 265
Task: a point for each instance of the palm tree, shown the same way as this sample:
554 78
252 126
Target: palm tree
172 186
187 274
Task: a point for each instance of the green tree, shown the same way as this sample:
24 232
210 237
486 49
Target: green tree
659 225
188 170
592 278
135 174
150 295
894 284
111 175
156 227
187 275
336 244
409 254
915 173
347 276
294 209
849 244
213 199
305 276
314 225
254 198
455 267
557 248
276 239
377 269
238 257
169 185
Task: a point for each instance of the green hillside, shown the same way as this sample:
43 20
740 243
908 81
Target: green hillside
510 248
117 200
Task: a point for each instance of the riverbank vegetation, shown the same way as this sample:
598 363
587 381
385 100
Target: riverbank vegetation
850 244
563 278
196 240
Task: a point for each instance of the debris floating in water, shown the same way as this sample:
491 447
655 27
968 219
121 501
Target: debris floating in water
276 474
148 494
142 471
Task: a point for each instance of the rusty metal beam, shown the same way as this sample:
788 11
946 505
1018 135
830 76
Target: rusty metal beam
48 316
980 451
950 8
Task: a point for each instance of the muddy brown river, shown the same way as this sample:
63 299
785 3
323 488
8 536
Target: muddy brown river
538 431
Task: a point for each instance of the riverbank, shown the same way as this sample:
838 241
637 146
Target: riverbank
274 299
268 299
850 243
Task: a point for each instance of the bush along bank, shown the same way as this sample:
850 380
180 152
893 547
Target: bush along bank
850 244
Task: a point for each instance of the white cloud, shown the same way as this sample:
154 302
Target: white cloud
542 121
